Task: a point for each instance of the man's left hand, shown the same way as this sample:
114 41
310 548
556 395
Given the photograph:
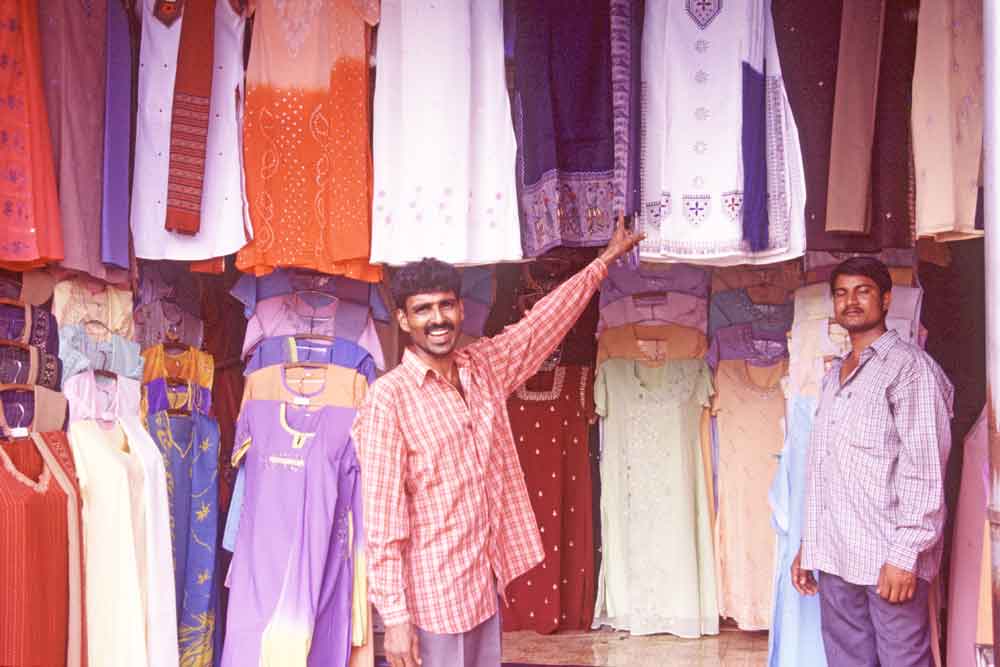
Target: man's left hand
896 585
621 242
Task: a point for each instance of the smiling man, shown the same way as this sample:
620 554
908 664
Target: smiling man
448 521
875 483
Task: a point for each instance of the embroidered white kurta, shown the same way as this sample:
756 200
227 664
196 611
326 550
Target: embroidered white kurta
222 229
693 58
444 147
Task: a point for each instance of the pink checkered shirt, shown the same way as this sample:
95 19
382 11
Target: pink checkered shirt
446 510
877 455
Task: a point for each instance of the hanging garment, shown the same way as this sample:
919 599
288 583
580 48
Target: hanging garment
749 409
40 558
970 546
651 343
309 176
222 225
111 484
657 308
444 151
565 57
79 351
249 290
625 280
29 325
30 231
193 368
161 321
189 446
292 314
290 581
795 638
891 257
786 276
947 118
549 418
31 287
29 365
519 288
288 349
86 301
804 37
722 169
657 572
158 576
94 397
771 321
40 410
170 281
74 48
117 116
738 342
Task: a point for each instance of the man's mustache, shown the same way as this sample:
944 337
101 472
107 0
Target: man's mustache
439 328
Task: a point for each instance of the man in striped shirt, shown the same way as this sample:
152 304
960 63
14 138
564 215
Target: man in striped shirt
448 521
875 484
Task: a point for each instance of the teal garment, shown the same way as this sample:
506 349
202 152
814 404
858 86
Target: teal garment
190 449
79 351
795 637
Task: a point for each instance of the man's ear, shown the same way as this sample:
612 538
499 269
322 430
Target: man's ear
404 324
886 301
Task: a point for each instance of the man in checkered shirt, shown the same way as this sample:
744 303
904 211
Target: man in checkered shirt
448 521
875 505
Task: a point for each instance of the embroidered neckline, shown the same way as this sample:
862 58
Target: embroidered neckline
42 485
551 394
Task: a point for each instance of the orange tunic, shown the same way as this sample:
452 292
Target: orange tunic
30 235
307 139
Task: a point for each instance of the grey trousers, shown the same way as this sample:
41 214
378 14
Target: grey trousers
479 647
860 629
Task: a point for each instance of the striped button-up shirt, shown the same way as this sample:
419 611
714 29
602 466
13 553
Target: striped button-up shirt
446 509
877 454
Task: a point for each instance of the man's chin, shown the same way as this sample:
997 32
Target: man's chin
440 350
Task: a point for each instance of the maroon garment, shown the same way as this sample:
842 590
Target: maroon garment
808 43
550 420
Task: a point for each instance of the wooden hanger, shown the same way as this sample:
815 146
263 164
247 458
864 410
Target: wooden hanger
306 364
106 373
313 336
7 301
17 387
4 342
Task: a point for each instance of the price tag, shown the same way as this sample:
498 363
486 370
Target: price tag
300 400
19 432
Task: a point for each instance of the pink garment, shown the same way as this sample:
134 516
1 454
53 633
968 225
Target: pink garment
101 399
291 314
669 308
967 547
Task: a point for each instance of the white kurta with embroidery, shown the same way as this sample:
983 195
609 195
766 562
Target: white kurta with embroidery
444 147
693 54
222 231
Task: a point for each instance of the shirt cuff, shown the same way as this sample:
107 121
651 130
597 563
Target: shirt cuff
394 616
903 557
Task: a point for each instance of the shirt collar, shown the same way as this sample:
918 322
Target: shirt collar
881 346
419 369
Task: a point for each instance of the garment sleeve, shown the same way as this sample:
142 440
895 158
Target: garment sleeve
518 352
922 420
382 451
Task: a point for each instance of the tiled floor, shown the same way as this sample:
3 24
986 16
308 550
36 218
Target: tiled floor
731 648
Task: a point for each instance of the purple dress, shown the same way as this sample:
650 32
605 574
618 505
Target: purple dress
291 578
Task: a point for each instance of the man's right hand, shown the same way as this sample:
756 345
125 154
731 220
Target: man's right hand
402 648
803 580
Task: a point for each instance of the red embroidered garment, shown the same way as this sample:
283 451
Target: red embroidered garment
549 418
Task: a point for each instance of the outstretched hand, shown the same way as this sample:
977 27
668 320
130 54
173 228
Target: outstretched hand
621 242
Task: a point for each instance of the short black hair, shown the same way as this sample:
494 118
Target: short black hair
869 267
427 275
